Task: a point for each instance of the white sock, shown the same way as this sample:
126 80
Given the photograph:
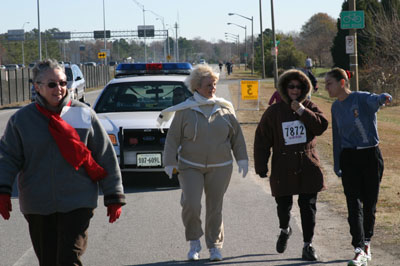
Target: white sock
286 231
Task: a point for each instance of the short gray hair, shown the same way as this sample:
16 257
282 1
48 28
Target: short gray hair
42 67
197 75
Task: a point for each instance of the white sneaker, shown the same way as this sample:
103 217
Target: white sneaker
360 259
215 254
367 250
195 248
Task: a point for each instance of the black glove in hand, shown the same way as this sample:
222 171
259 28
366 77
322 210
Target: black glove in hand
263 174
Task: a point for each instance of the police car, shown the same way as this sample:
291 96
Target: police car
128 108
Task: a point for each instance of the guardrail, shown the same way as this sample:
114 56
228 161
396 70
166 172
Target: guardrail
15 84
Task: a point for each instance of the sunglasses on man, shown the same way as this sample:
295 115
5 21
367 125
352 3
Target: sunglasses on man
53 84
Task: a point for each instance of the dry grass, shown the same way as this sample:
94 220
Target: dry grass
387 229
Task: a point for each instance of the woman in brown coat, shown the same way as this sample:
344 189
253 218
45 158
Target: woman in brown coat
289 128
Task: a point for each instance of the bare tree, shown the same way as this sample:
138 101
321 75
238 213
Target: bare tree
316 37
381 72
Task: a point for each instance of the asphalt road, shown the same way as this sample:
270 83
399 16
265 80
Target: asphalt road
150 231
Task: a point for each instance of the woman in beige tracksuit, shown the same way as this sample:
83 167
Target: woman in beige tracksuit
199 144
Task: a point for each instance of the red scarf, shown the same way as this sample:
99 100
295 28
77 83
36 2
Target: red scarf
71 147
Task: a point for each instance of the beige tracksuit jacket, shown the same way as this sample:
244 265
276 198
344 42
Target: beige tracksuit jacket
197 141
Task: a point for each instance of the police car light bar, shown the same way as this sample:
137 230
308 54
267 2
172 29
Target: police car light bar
134 69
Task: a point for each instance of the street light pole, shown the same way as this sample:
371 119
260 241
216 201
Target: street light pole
165 42
23 55
245 41
237 38
252 39
39 39
275 48
176 42
144 24
104 26
262 43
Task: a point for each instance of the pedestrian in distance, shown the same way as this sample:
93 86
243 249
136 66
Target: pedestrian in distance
357 157
220 65
290 128
199 145
62 156
309 63
228 66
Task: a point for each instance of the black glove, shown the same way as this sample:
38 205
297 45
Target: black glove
263 174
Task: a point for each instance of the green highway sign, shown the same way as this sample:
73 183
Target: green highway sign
352 20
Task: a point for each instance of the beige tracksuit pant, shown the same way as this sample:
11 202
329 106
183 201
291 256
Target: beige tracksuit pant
214 182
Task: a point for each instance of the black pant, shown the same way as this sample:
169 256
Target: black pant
60 238
362 172
308 209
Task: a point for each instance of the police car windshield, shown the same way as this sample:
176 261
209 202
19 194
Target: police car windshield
141 96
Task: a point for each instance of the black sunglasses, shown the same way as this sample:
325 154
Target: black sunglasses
291 86
53 84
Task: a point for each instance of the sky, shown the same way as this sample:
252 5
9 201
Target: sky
205 19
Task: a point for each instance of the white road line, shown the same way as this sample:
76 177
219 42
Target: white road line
27 259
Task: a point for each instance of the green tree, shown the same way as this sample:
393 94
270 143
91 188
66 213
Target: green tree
316 37
288 55
365 44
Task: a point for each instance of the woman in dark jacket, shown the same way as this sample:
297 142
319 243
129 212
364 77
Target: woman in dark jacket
289 128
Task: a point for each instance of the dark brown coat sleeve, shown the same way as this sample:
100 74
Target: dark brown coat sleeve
263 142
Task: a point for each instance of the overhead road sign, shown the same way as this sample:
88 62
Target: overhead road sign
16 35
62 35
149 29
99 34
352 20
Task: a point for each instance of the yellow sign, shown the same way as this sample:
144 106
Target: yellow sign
102 55
169 57
249 89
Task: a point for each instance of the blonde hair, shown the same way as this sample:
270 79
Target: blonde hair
200 72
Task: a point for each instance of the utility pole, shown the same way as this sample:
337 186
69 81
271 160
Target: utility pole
176 41
262 43
275 48
105 39
353 56
39 39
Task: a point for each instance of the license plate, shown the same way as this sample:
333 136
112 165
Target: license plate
148 159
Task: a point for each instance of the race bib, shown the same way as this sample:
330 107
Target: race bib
77 117
294 132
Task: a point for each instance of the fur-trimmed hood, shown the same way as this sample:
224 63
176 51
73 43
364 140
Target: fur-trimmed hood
289 75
